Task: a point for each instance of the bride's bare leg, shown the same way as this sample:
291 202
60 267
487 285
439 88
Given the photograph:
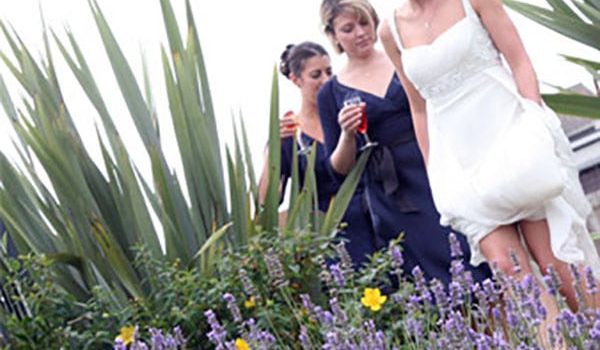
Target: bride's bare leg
537 238
497 247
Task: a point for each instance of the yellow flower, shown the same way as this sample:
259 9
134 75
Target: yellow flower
127 335
250 303
373 299
240 344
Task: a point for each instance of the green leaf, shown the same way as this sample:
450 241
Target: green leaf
270 214
340 202
572 27
210 242
575 105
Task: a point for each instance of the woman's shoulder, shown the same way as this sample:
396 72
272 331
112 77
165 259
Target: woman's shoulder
329 88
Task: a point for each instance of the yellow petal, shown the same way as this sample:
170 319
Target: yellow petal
240 344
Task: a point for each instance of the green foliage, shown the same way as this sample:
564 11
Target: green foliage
88 215
578 20
56 319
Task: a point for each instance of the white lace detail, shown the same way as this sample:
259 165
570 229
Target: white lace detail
483 55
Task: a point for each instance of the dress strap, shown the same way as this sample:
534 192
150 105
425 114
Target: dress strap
469 11
394 29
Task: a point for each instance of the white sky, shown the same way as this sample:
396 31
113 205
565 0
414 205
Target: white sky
241 40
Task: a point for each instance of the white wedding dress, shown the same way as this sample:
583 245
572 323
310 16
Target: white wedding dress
471 98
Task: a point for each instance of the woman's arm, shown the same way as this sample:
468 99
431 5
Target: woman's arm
507 40
417 104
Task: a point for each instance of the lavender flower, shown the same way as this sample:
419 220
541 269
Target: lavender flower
590 281
325 276
179 338
552 281
455 248
304 339
119 345
595 331
217 335
515 261
138 345
414 327
489 290
332 341
157 338
374 339
247 283
233 307
275 269
441 298
577 283
456 294
307 303
420 282
397 258
339 314
346 260
338 275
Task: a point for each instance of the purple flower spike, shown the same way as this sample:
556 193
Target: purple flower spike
455 248
304 339
595 332
275 269
397 258
233 307
590 281
338 275
119 345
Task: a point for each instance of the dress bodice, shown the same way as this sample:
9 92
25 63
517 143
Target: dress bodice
460 52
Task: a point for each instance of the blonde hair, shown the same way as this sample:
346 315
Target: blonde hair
331 9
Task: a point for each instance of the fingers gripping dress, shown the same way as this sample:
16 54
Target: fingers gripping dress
471 97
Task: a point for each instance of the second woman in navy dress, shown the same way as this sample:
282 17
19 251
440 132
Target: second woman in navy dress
308 66
396 188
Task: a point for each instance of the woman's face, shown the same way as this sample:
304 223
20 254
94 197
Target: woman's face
356 35
317 70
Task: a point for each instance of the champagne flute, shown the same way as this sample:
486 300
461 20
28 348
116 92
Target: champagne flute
351 99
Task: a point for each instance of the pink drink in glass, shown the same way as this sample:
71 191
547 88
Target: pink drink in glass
364 125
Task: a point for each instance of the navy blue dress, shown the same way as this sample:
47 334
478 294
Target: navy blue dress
356 221
396 189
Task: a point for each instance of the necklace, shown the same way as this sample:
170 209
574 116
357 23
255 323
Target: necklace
427 22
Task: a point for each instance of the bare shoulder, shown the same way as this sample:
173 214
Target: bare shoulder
403 11
387 38
384 30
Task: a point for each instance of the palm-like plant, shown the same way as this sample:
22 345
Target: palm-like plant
89 217
580 21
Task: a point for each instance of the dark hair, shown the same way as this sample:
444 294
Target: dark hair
294 57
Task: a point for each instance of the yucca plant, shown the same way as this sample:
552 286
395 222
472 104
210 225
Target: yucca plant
89 216
578 20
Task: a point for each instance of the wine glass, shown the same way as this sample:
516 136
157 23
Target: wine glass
304 149
351 99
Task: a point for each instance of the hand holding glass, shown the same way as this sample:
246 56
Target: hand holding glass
295 127
354 99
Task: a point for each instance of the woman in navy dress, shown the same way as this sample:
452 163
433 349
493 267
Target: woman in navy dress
396 188
308 66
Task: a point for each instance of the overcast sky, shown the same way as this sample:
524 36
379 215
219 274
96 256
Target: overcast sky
242 41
